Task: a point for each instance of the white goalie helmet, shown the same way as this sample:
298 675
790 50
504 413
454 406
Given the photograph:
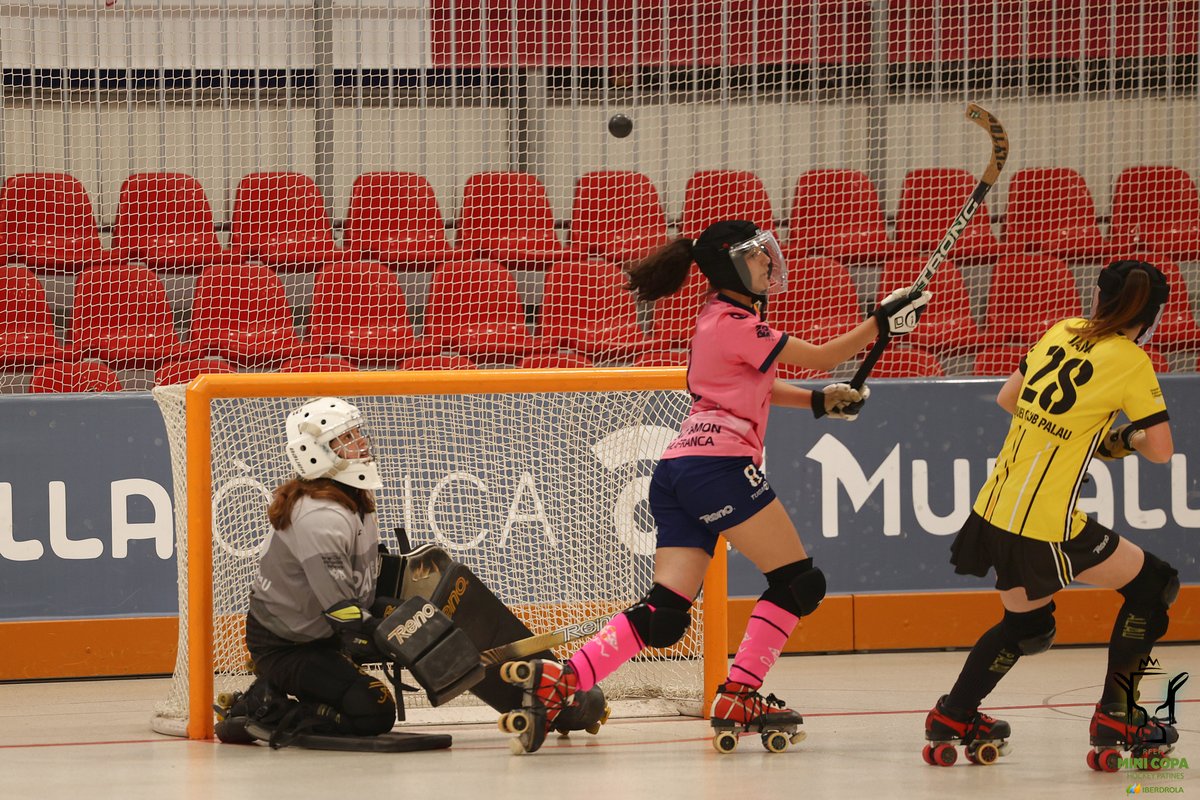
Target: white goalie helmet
310 431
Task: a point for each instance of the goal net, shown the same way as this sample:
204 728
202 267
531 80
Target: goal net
535 480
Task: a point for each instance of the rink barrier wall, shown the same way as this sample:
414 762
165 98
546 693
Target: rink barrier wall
85 648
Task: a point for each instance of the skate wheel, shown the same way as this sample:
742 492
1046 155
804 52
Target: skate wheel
1091 760
517 672
945 755
725 742
1108 760
927 755
986 754
798 737
227 699
516 747
514 722
775 742
1153 760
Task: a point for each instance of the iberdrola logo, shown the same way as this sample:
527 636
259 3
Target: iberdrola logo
1135 789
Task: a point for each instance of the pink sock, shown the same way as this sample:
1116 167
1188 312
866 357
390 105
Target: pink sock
766 633
605 651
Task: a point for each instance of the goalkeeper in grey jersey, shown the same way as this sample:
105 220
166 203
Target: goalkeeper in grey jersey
309 626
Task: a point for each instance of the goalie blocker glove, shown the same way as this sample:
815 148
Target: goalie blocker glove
839 401
426 642
900 311
1118 443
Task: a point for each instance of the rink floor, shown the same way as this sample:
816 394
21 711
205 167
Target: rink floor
864 716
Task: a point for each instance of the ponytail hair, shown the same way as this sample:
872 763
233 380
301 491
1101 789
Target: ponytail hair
1122 309
663 272
353 499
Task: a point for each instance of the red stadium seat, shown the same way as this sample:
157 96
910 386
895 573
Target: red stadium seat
26 324
821 301
617 215
1177 330
820 304
50 224
359 312
586 308
907 361
474 306
74 376
394 217
165 221
716 194
663 358
1028 294
675 315
240 312
837 213
1157 208
506 216
120 314
1050 211
279 220
930 199
1157 359
1000 360
556 361
437 362
185 370
316 364
947 324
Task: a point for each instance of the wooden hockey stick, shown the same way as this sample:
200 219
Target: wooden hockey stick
986 120
543 641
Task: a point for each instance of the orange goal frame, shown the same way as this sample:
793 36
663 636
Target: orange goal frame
204 389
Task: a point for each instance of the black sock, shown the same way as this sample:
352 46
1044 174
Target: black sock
990 660
1128 650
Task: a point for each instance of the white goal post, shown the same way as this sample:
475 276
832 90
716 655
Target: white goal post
535 479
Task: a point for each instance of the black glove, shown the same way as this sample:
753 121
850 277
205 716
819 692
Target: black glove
355 626
1118 443
900 311
839 401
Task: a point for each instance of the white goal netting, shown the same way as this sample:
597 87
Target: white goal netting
233 185
540 494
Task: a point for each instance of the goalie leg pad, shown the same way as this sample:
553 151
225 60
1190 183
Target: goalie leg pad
441 658
797 588
661 618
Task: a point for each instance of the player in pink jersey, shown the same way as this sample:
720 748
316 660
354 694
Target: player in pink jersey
709 483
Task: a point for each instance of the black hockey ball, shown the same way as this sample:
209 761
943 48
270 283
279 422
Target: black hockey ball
620 125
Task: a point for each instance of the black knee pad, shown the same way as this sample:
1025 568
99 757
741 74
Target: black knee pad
661 618
797 588
1031 631
1147 598
369 707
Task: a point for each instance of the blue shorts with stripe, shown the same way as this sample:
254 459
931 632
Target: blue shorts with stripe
1040 567
694 498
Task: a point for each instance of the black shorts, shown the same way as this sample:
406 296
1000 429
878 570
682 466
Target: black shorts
694 498
1041 568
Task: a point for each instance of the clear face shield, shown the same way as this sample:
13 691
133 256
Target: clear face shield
760 265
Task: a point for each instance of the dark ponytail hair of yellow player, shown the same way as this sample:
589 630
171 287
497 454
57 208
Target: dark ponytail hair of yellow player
1130 293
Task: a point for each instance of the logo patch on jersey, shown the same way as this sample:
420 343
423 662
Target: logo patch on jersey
763 331
1156 392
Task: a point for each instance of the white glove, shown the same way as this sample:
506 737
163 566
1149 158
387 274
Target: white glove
839 401
900 311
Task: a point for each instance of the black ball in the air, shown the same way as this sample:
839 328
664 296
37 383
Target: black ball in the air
620 125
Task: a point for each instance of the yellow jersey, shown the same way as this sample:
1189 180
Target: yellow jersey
1072 390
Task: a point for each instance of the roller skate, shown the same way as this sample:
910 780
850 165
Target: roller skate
984 738
739 708
587 712
1114 729
261 703
549 688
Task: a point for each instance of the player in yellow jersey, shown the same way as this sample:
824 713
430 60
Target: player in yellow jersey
1025 525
